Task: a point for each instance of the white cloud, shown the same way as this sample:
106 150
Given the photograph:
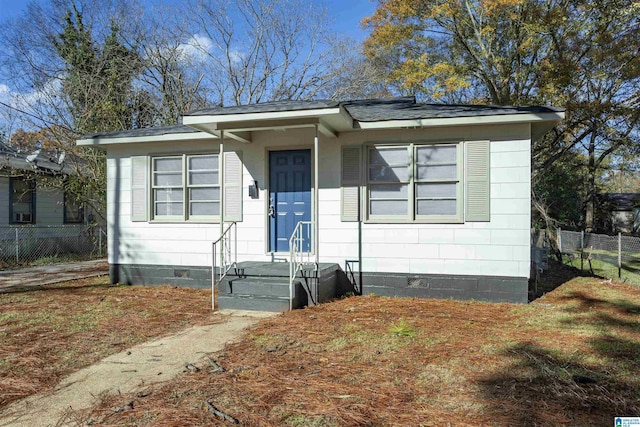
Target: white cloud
51 90
5 93
36 103
197 47
236 56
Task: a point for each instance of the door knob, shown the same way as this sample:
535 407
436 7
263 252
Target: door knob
272 209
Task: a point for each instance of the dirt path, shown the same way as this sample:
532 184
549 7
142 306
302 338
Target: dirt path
129 371
11 280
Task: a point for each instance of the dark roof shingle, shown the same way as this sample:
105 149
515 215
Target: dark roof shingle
265 107
373 110
363 110
150 131
46 161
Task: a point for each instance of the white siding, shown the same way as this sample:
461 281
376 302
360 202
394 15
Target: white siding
499 247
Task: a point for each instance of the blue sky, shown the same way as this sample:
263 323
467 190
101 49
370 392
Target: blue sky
346 13
345 17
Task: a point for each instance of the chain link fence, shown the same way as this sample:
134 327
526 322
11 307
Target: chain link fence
614 257
28 245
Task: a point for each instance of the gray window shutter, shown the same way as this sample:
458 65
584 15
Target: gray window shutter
139 188
350 183
477 184
232 186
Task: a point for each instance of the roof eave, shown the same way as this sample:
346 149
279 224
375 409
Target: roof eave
271 115
170 137
551 117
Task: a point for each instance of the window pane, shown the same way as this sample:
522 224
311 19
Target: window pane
204 208
73 216
73 211
389 156
436 190
436 207
388 207
436 154
168 195
427 172
21 208
173 164
22 191
168 179
209 162
388 174
22 200
199 194
203 178
169 209
389 191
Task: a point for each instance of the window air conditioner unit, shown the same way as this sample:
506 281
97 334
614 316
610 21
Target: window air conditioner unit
23 217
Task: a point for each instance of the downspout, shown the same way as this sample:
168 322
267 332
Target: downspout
316 216
316 210
221 197
360 238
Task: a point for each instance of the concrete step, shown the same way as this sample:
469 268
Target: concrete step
265 286
275 269
253 303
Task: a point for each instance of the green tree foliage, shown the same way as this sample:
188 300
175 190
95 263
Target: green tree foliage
98 78
485 51
581 55
565 203
97 84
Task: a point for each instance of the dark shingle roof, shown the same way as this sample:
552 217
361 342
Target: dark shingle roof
265 107
46 161
151 131
621 201
406 108
373 110
364 110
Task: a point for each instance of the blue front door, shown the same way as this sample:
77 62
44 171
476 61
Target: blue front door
289 197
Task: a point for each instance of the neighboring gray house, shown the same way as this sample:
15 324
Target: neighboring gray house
620 212
26 197
417 199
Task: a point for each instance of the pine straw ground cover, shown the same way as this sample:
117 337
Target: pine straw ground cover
48 332
569 358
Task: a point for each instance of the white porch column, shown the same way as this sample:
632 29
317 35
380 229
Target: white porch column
316 197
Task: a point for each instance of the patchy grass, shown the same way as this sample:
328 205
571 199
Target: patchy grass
49 332
59 259
607 267
569 358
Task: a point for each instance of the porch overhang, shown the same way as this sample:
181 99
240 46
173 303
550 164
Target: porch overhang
329 121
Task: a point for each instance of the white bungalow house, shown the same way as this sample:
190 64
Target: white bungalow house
399 197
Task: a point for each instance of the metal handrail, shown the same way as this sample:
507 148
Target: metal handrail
348 268
298 258
226 262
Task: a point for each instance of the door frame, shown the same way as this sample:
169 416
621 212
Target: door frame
267 151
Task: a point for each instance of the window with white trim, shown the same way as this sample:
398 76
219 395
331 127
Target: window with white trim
185 187
415 182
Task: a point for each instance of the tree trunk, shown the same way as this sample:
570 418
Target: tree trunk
591 185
